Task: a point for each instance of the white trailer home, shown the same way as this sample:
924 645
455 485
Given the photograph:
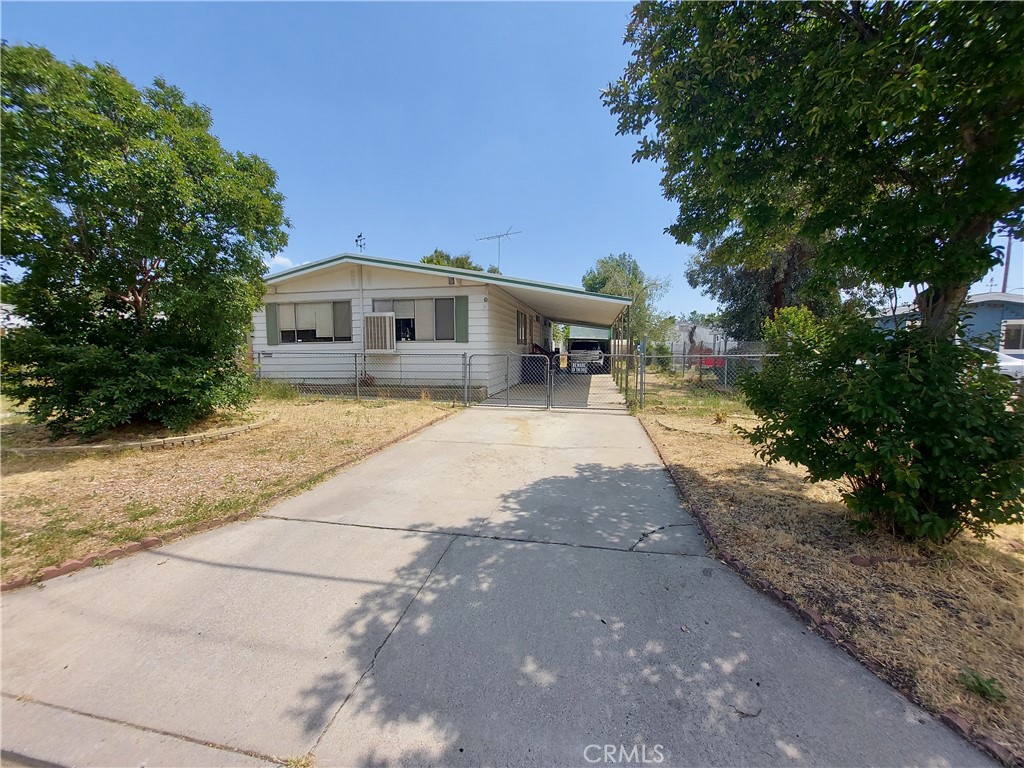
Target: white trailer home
360 321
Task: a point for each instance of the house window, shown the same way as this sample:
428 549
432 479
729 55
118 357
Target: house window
1013 336
444 319
315 321
420 319
521 329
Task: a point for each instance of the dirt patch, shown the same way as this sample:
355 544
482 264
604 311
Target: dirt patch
62 506
928 617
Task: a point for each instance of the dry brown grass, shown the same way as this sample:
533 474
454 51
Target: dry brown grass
927 618
60 506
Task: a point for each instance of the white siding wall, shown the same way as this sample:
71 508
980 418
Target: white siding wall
441 361
502 328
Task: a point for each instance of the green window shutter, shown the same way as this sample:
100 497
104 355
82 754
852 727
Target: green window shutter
462 319
273 334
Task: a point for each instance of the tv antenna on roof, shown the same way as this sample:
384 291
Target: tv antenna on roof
498 237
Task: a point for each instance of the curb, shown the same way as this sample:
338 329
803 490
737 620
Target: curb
116 553
950 718
148 445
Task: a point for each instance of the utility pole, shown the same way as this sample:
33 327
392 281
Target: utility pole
360 242
1006 265
498 237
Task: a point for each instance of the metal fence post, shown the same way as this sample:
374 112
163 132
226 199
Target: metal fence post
726 374
466 371
550 379
642 390
508 364
355 366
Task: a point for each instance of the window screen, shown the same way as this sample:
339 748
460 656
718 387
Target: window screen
343 321
444 319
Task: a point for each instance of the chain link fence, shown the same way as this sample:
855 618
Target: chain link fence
711 373
437 377
595 381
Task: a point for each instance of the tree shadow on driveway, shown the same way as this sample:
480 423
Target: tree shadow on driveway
548 636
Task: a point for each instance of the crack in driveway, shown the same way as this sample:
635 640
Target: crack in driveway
380 647
645 534
514 539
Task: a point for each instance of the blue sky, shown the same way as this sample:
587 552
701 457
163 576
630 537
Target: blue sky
419 125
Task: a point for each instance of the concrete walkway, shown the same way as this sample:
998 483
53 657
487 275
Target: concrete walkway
506 588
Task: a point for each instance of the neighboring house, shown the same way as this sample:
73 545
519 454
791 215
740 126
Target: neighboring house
417 324
997 315
991 319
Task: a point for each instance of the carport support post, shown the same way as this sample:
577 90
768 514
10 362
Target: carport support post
632 352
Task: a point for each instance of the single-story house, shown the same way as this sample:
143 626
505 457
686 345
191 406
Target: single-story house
997 316
362 318
992 319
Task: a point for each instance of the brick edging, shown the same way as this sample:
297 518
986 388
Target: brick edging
148 445
132 547
951 718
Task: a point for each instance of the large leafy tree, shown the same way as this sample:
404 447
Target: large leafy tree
445 259
140 241
748 295
621 275
888 133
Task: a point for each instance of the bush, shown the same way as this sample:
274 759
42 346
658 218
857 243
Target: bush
89 388
919 427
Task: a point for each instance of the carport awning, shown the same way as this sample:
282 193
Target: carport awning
569 305
559 303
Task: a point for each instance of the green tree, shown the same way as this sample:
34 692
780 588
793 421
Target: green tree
749 295
707 319
142 245
889 134
445 259
622 276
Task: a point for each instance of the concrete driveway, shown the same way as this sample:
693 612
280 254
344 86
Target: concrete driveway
506 588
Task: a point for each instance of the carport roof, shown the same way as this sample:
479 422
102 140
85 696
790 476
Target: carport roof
560 303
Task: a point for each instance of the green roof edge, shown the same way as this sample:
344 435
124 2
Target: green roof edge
436 268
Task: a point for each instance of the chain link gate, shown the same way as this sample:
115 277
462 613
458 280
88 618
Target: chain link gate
510 379
594 381
577 381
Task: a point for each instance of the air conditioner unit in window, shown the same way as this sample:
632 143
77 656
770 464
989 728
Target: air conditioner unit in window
379 332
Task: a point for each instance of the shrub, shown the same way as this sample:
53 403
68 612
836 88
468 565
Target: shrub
920 427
